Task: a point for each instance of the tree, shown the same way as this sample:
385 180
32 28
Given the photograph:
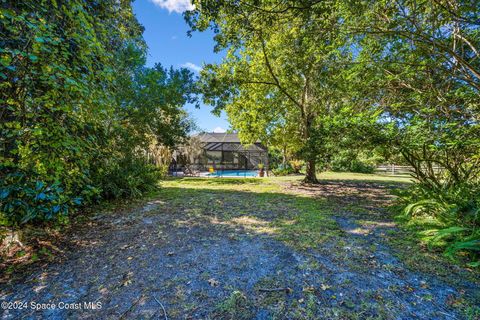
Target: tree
78 107
283 68
428 73
56 66
425 58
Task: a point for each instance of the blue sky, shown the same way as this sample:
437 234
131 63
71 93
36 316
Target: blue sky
168 43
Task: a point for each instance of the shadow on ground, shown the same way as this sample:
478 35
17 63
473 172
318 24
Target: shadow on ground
242 249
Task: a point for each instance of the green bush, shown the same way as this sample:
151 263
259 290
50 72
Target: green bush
342 165
128 178
296 165
349 161
163 169
79 108
25 198
446 218
283 170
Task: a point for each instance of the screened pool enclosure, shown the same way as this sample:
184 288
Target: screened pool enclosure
222 151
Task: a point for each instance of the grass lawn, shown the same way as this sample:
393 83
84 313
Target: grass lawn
260 248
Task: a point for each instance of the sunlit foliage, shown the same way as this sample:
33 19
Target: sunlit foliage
77 105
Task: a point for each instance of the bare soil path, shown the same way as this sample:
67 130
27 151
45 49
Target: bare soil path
248 249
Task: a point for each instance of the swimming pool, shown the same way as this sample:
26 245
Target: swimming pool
234 173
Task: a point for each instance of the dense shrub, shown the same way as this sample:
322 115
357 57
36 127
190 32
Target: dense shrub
128 178
291 167
283 170
447 218
78 107
24 200
354 161
355 165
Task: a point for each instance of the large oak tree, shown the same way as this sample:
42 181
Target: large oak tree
283 68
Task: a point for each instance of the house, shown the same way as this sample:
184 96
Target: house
221 151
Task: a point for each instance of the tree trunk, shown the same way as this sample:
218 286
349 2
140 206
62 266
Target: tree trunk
310 175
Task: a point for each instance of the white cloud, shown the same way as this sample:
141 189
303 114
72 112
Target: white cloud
219 130
178 6
192 66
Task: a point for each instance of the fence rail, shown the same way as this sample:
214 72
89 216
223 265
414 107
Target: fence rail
394 169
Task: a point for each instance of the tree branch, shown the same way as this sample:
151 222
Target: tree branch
275 79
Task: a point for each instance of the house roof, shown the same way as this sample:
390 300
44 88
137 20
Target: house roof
227 142
219 137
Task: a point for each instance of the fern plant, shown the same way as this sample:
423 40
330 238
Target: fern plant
455 214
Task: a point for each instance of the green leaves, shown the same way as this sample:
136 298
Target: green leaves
284 72
79 107
5 60
446 218
33 57
331 81
40 40
24 200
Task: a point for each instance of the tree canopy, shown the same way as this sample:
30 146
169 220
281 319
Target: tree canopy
398 76
78 106
411 66
284 68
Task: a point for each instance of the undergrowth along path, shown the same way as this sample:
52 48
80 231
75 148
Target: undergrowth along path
251 249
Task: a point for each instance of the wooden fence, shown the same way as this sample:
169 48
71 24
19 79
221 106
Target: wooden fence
393 169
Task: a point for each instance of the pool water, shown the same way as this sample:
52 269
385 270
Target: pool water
234 173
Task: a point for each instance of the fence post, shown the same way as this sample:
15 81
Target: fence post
393 169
